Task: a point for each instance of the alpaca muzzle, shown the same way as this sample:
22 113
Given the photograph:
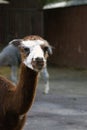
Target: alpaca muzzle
38 63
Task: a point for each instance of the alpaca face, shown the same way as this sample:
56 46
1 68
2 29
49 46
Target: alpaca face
34 52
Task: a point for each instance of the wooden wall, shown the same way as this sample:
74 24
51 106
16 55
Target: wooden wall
20 18
66 30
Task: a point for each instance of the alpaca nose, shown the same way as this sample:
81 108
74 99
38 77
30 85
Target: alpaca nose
39 60
38 63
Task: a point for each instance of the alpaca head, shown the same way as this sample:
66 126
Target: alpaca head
34 52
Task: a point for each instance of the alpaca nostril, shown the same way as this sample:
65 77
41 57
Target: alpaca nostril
39 59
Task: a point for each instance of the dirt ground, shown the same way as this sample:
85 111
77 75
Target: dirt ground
65 107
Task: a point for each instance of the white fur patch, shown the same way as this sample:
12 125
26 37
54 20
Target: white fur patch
31 43
35 51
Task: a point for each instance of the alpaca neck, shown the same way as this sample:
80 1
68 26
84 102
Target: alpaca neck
26 88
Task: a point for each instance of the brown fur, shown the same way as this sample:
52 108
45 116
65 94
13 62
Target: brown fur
33 37
15 101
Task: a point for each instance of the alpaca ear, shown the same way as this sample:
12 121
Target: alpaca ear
16 42
50 51
48 48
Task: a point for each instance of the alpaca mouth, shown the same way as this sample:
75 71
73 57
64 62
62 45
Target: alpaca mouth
38 65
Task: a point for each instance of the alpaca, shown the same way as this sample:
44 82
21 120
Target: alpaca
10 57
15 101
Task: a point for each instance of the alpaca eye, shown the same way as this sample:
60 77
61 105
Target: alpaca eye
27 50
45 49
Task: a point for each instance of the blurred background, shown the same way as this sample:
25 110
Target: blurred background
61 22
